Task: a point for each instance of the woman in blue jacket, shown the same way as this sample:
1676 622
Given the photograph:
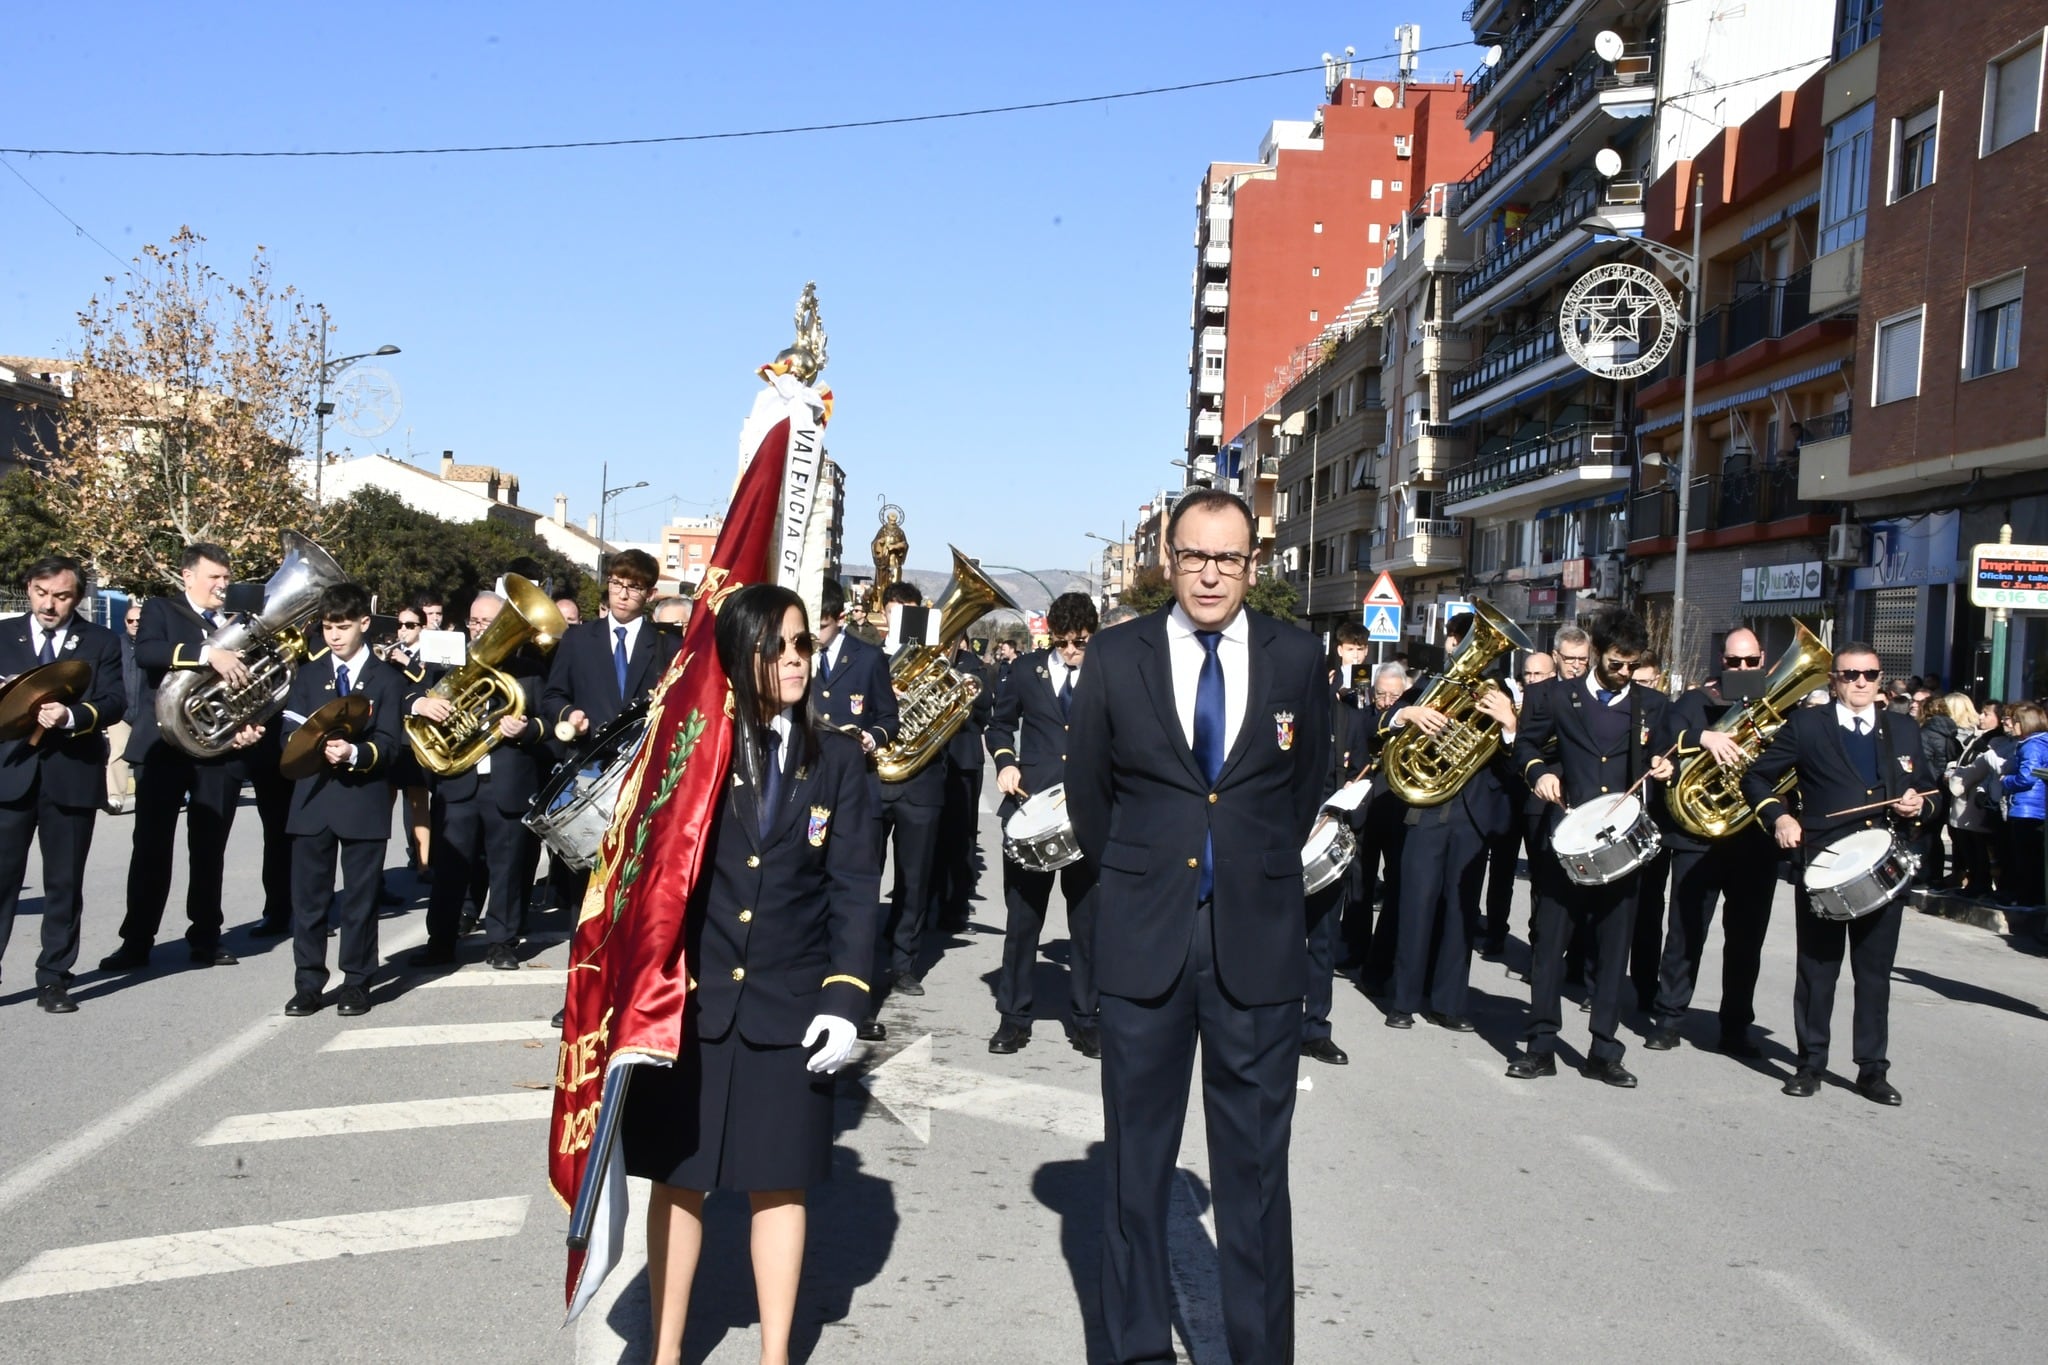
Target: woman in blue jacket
2026 807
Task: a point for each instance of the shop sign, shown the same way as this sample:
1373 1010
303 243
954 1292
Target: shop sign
1781 582
2011 576
1913 552
1542 603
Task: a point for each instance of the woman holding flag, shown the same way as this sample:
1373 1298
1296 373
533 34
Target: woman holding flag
777 941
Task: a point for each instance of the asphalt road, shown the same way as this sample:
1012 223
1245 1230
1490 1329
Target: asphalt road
185 1174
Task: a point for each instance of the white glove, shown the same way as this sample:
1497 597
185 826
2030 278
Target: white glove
838 1035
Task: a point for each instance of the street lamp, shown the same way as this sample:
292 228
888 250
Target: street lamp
604 500
322 409
1107 546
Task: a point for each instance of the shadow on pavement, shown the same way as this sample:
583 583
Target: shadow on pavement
1964 992
1073 1190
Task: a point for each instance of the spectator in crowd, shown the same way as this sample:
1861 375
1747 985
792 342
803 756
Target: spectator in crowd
1940 746
1973 807
2026 795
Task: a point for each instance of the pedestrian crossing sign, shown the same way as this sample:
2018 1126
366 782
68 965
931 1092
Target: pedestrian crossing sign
1383 624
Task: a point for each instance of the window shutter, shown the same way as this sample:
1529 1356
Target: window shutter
2016 92
1898 359
1918 123
1998 293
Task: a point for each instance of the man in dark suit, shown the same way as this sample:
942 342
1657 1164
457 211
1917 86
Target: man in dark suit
1382 826
1504 851
480 810
1350 750
1028 742
172 638
954 868
910 824
53 782
1193 779
1604 730
1848 755
344 807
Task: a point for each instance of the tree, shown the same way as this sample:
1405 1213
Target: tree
28 529
395 551
192 397
1148 590
1273 595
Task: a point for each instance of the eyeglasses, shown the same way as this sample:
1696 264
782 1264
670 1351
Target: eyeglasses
1230 563
1567 658
1859 674
805 644
1742 661
1071 642
630 589
481 620
1385 698
408 625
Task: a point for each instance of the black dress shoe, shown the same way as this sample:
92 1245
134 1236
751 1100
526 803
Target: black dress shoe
1739 1045
501 957
303 1004
1529 1065
1609 1073
871 1031
271 928
557 1021
467 925
907 983
1456 1023
1878 1090
1399 1019
213 957
432 955
55 999
1008 1038
1802 1085
351 1001
1324 1050
1493 949
127 958
1088 1042
1662 1039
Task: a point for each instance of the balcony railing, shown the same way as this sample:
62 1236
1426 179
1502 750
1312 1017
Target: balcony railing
1653 514
1521 352
1559 103
1828 428
1544 225
1215 298
1565 448
1216 256
1738 496
1533 28
1767 312
1443 528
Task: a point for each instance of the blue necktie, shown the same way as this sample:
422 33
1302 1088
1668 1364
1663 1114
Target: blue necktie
341 680
48 653
771 782
1209 724
1606 697
211 620
619 658
1067 696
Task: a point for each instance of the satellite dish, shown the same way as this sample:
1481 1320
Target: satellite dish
1383 98
1608 44
1492 57
1607 161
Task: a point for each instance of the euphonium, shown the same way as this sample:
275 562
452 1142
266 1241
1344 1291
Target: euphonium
480 693
199 710
1428 770
932 699
1706 796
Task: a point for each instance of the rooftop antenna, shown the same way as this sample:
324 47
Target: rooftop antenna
1409 37
1335 73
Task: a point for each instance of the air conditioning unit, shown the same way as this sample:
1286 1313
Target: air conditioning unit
1607 581
1845 545
1404 146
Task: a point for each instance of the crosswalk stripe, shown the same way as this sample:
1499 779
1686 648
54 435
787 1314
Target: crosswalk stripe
512 1106
432 1035
489 976
215 1251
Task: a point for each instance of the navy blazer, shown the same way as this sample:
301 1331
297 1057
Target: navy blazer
583 677
353 802
72 762
1810 744
1028 729
783 928
1557 710
518 766
1487 798
857 692
168 639
1142 809
963 750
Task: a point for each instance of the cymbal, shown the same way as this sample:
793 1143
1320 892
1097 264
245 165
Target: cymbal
64 681
342 718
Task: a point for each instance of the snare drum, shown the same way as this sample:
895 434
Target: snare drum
1330 848
1605 840
1038 836
572 812
1859 874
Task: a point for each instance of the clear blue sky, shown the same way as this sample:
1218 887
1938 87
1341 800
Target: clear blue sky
1007 297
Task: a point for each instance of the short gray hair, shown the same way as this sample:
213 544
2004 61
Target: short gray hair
1117 615
1389 670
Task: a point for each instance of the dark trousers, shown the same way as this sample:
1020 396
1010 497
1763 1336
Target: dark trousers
1442 862
362 874
1503 852
1606 916
1872 942
953 870
1026 894
273 807
1369 940
1251 1056
1973 859
478 840
1646 948
915 830
2022 879
1325 910
209 792
1743 871
569 884
65 833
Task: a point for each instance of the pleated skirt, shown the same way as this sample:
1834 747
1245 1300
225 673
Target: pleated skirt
729 1115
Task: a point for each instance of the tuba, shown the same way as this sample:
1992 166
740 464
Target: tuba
1428 770
932 698
1705 796
481 693
200 711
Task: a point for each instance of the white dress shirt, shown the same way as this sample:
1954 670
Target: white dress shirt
1233 651
1059 670
1846 716
57 637
828 657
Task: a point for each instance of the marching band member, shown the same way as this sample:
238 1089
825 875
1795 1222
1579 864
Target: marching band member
53 783
1646 946
344 808
172 636
953 867
1028 743
1740 870
778 949
910 817
407 776
1351 731
1604 728
1504 852
1846 756
1381 826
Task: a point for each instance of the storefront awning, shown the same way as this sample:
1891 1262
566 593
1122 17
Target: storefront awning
1733 400
1811 608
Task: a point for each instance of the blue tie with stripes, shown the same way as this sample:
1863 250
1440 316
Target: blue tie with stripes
1209 726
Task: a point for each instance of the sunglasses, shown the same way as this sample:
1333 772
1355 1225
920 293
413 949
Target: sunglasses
1071 642
408 625
1742 661
1859 674
805 644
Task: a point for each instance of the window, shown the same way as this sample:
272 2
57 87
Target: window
2012 97
1212 362
1319 227
1394 185
1372 232
1315 272
1993 342
1845 180
1315 315
1898 358
1379 189
1861 21
1913 145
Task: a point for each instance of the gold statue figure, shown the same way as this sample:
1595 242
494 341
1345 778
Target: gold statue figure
889 547
806 356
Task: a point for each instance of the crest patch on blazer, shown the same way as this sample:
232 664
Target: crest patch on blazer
1905 762
821 818
857 702
1283 729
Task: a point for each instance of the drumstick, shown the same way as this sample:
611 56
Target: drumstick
1858 810
1639 781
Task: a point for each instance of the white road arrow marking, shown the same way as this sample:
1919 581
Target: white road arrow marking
912 1084
215 1251
430 1035
513 1106
558 977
